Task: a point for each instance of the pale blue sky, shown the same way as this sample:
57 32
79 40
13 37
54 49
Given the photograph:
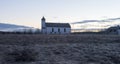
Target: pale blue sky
29 12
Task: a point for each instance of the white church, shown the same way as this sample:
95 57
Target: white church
55 28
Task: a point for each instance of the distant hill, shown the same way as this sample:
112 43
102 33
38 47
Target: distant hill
13 27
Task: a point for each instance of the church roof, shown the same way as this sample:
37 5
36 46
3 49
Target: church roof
58 25
43 18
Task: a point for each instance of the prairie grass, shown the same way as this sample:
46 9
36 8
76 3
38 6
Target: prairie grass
27 39
62 49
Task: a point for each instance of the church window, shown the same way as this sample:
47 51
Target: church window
64 30
58 29
52 29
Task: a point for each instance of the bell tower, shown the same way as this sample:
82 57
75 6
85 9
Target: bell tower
43 25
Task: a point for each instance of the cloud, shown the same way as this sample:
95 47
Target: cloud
99 21
114 19
85 21
99 24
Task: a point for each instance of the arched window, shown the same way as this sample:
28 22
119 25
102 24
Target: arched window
64 30
52 29
58 29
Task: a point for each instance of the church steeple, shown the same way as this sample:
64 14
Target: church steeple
43 18
43 25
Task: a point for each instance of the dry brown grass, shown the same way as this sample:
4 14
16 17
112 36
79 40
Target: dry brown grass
64 49
28 39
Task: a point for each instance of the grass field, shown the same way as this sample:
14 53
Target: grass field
21 39
59 49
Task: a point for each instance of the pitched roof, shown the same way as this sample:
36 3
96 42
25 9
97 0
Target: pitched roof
43 18
58 25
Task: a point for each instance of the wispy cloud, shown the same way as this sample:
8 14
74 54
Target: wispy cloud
99 24
99 21
85 21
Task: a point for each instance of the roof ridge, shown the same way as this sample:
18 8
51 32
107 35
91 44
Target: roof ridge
58 25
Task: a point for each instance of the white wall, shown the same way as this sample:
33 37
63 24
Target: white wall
118 32
43 26
49 30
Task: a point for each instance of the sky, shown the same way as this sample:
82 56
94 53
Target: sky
30 12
